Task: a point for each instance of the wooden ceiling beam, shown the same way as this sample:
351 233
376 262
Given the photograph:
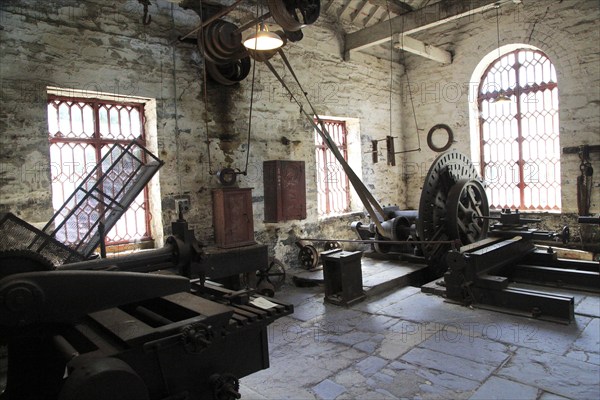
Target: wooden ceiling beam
396 6
422 49
418 20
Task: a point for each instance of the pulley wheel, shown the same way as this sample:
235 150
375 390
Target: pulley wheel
220 43
447 169
308 256
466 202
273 275
292 15
229 73
382 248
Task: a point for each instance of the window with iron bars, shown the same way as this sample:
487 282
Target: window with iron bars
333 186
520 150
81 131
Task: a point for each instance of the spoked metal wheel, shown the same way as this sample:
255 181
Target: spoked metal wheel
445 172
309 257
466 203
272 278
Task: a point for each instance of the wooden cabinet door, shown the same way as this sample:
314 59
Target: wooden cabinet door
232 217
285 190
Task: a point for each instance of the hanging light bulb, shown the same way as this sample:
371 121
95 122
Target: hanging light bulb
262 39
502 97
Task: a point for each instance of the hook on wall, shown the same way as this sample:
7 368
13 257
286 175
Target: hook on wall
146 19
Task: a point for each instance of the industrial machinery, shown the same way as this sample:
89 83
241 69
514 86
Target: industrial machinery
450 230
451 213
143 326
485 273
452 204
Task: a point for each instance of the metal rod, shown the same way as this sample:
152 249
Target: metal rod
383 241
577 149
218 15
252 22
102 234
407 151
144 260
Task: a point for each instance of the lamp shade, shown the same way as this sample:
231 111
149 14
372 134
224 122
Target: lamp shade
263 40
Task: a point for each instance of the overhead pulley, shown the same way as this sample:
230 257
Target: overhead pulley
293 15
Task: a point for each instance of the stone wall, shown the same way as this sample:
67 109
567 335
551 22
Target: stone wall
567 31
98 46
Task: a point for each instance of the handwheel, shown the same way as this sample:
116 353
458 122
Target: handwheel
272 278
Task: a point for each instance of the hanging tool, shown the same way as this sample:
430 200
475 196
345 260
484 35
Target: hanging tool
584 181
146 19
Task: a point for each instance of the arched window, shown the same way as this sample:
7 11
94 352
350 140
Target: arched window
519 150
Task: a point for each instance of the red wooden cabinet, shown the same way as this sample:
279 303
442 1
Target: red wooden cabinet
232 217
285 190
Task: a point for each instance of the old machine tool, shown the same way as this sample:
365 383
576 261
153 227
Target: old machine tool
145 326
451 230
451 213
488 273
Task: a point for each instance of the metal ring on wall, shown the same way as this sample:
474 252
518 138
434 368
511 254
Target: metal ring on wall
448 143
227 176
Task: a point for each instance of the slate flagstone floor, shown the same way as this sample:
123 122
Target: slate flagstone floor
407 344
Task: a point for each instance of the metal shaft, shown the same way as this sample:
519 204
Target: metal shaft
143 261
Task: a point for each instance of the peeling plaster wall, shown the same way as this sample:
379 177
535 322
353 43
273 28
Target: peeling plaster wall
568 32
98 46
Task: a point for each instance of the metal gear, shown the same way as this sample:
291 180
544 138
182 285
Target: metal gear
446 171
467 202
16 261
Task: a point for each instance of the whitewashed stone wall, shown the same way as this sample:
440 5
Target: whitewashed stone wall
567 31
102 46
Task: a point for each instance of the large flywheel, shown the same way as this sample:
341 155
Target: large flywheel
452 199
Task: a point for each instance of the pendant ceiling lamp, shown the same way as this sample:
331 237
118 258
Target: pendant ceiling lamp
262 39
